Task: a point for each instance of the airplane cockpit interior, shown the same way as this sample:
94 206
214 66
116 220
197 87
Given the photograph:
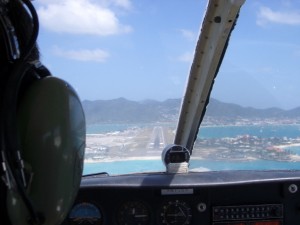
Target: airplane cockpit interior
124 112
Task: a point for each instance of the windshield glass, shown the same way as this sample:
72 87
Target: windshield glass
129 60
253 120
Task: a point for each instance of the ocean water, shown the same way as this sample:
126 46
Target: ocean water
122 167
263 131
133 166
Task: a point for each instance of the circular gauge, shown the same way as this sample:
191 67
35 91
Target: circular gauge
85 214
133 213
176 213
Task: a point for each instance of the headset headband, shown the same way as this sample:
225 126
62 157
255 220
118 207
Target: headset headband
9 34
13 51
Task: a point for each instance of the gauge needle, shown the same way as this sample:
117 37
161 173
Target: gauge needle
173 214
140 216
182 212
133 211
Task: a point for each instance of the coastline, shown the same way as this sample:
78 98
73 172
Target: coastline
145 158
287 145
119 159
139 144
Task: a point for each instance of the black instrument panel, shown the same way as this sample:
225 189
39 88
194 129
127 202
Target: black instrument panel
216 198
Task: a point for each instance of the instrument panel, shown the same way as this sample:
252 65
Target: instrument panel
208 198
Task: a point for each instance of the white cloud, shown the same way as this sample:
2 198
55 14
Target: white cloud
126 4
81 17
186 57
122 4
95 55
267 15
188 34
47 2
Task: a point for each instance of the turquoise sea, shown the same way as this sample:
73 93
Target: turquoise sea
132 166
264 131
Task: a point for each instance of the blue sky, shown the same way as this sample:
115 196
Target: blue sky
143 49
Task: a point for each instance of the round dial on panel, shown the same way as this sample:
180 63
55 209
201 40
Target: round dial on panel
85 214
175 213
133 213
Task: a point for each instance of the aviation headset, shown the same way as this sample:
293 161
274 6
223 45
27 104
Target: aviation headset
42 129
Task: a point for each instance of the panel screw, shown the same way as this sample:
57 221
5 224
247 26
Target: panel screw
201 207
217 19
293 188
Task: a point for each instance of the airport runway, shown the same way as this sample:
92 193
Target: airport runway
157 139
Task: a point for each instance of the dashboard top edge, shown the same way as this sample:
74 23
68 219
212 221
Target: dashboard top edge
192 179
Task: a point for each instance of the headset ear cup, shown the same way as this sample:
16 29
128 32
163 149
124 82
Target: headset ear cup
52 131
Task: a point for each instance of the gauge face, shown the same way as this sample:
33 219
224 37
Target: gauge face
176 213
85 213
133 213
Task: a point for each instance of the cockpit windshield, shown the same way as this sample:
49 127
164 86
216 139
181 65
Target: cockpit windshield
252 120
129 61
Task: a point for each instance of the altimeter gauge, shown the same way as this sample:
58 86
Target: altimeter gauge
175 213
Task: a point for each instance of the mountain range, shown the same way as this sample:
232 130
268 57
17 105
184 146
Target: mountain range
122 110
